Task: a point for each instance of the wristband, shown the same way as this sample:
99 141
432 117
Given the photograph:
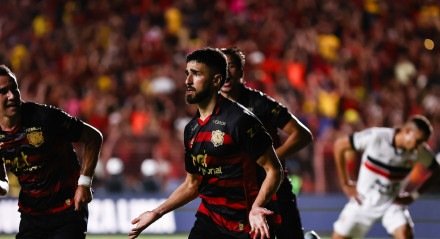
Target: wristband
4 185
84 180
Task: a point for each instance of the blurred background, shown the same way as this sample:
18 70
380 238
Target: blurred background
338 65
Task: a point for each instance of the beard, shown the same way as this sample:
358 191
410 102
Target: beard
198 97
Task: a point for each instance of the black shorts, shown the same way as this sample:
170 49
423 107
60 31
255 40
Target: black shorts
205 228
291 226
65 225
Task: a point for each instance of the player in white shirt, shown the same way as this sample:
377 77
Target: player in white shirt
388 157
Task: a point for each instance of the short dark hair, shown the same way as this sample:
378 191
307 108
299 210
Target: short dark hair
423 124
213 58
237 56
5 71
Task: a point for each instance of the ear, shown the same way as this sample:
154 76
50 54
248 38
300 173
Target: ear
218 80
242 73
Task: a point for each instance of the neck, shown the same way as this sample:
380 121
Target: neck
233 93
8 123
398 139
206 108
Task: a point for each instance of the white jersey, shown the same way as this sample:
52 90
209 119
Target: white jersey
384 167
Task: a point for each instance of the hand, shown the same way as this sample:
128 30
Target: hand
141 222
351 192
4 188
83 195
258 222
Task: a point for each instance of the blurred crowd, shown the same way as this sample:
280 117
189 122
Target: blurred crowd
338 65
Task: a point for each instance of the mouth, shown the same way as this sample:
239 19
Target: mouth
190 90
12 104
226 86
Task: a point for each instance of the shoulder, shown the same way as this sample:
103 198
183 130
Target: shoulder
34 106
35 110
234 111
382 132
190 125
257 95
373 135
425 151
427 156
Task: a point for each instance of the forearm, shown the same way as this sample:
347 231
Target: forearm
291 145
269 187
185 193
298 137
92 140
340 163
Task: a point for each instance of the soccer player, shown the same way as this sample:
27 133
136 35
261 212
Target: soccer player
389 155
224 145
36 145
274 117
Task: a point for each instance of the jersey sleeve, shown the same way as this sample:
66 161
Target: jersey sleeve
65 125
426 157
251 135
278 113
189 165
360 140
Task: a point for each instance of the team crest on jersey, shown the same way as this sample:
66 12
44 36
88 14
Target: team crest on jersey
35 138
217 137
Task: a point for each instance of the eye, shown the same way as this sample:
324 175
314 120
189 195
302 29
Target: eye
4 91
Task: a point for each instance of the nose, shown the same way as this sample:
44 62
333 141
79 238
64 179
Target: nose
10 94
188 80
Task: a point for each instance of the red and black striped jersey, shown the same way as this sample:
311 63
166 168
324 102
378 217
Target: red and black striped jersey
223 149
271 113
274 116
40 153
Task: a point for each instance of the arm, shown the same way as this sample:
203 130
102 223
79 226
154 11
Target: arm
91 138
298 137
342 148
274 174
418 181
4 183
431 179
185 193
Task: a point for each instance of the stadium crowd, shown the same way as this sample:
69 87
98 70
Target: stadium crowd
339 66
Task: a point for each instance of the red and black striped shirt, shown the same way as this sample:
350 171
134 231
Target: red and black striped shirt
223 149
40 153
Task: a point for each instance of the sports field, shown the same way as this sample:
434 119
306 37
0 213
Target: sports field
183 236
124 237
120 237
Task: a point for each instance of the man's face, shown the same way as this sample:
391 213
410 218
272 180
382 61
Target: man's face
412 137
9 97
234 76
199 82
